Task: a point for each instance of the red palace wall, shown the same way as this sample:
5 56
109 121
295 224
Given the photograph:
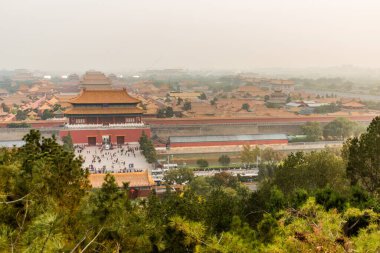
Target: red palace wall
300 119
80 136
224 143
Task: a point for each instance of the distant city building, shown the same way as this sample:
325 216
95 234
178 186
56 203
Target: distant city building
277 98
164 74
95 80
22 75
4 92
185 95
73 77
353 106
287 86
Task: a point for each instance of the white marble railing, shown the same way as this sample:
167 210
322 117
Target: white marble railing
134 125
128 125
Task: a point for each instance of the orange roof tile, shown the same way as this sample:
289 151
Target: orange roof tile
353 104
95 78
104 97
104 110
279 82
248 88
135 179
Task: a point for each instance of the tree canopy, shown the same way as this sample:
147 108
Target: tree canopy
147 148
340 128
312 130
224 160
309 202
363 157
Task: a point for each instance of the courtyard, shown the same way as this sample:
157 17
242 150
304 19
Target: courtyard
118 159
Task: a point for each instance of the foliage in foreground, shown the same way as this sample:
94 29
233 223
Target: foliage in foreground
314 202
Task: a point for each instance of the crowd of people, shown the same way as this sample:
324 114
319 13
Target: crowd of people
112 159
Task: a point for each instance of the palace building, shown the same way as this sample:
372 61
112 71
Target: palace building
102 115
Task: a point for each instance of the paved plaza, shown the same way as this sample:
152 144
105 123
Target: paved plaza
125 158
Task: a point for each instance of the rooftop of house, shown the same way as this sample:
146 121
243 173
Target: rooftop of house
135 179
104 97
45 106
104 110
17 98
95 78
202 108
3 91
248 88
281 82
353 104
185 95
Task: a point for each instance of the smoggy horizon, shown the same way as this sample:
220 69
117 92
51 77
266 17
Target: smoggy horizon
115 35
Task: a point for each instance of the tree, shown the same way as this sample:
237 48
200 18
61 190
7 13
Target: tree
327 108
222 206
165 112
21 115
213 101
50 169
183 235
57 107
224 160
339 128
169 113
312 130
68 142
202 163
363 165
47 114
147 148
5 107
179 101
18 125
203 96
161 113
245 106
248 155
44 184
179 176
224 179
269 155
187 106
310 171
105 201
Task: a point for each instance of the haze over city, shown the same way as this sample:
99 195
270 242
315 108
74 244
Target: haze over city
115 35
162 126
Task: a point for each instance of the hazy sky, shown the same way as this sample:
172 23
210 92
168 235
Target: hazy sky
117 35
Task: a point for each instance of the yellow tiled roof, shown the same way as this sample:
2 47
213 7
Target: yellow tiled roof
104 97
353 104
135 179
103 110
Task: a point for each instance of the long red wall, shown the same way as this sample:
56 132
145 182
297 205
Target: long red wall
193 121
80 136
225 143
37 123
